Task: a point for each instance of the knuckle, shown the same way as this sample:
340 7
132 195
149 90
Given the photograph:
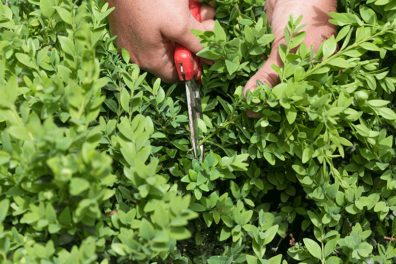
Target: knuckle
207 12
181 29
209 25
270 78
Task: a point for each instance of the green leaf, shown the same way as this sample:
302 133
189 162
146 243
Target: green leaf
291 114
370 46
120 249
334 111
225 233
124 98
4 205
330 246
235 189
67 45
231 66
381 2
158 135
46 8
245 22
125 55
390 6
161 96
20 133
65 217
210 54
179 233
252 259
25 59
270 234
202 125
266 39
387 113
50 213
378 103
314 219
198 207
156 86
220 34
379 206
342 33
345 142
275 260
78 185
339 62
307 154
65 15
270 158
367 14
149 125
329 47
297 39
11 89
249 35
110 126
313 248
334 260
146 229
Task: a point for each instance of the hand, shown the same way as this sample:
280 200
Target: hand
315 14
148 30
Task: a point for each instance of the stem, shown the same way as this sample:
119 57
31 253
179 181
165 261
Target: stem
81 109
324 62
224 125
130 112
119 100
323 257
13 109
217 148
286 53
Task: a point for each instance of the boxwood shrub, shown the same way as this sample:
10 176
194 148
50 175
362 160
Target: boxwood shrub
96 163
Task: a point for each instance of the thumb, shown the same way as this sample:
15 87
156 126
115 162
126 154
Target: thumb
266 74
179 31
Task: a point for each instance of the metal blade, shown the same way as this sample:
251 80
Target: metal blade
194 112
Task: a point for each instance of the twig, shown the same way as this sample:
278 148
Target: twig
108 214
280 241
292 241
223 126
6 3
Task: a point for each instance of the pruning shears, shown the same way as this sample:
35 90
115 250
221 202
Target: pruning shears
189 69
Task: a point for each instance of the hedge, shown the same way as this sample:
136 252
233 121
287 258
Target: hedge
96 162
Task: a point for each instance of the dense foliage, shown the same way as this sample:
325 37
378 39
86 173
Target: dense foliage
96 159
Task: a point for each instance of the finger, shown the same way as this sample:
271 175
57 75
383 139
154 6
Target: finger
165 68
180 32
207 61
266 74
208 25
167 74
207 13
269 8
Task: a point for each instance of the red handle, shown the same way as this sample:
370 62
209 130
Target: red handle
192 67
